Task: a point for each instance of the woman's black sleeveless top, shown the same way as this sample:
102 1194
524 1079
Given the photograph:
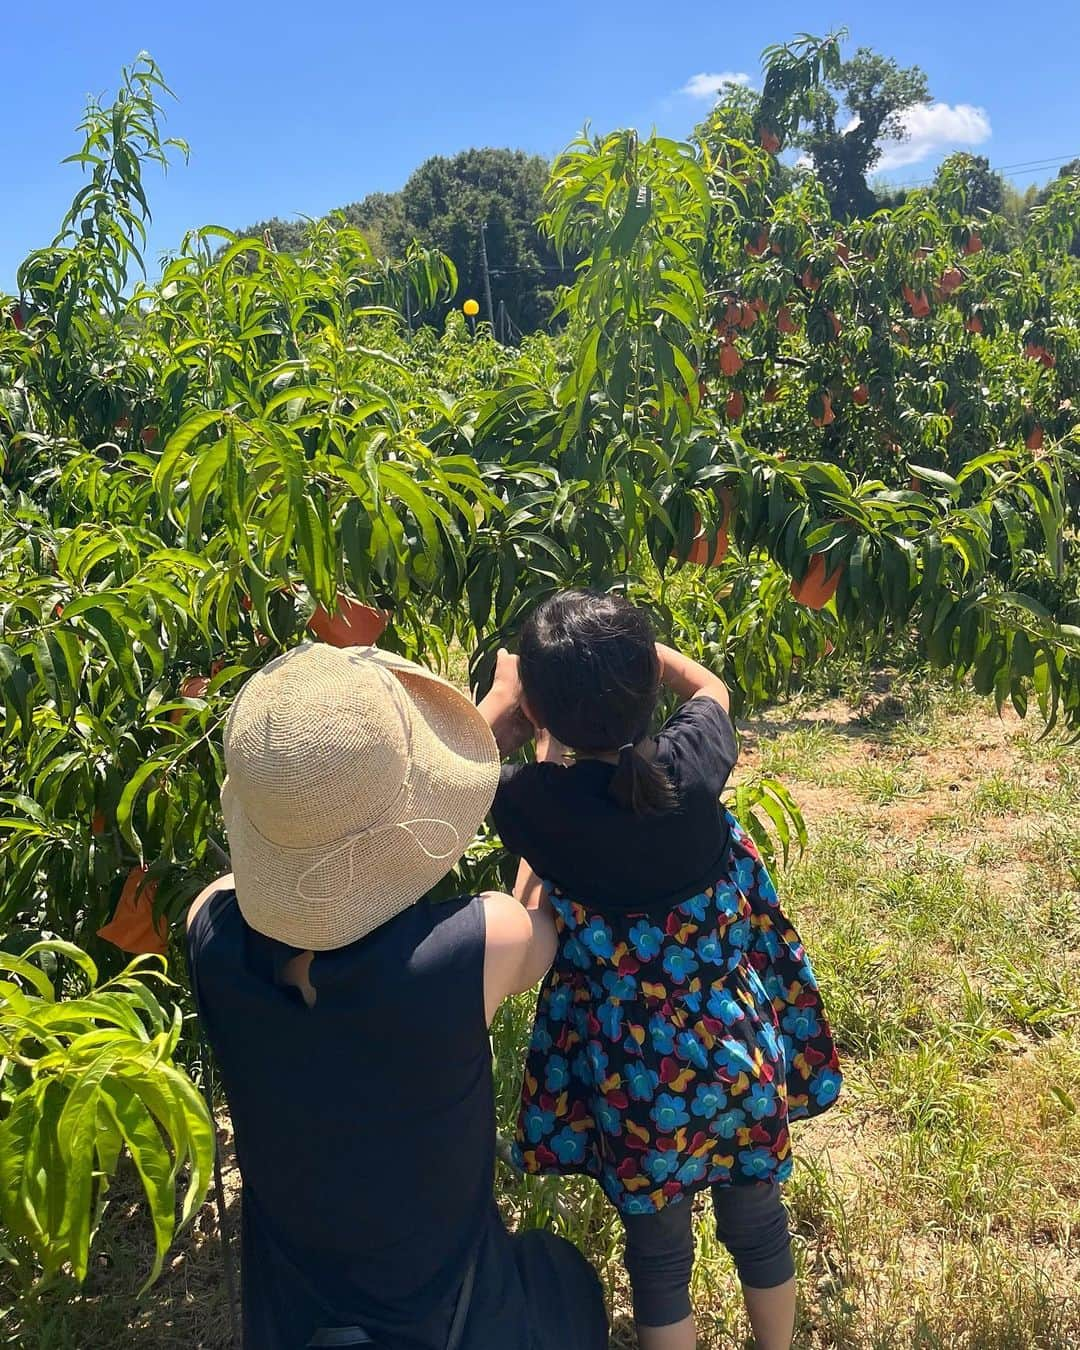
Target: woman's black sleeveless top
365 1133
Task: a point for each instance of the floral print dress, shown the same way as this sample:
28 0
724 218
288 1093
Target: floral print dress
671 1052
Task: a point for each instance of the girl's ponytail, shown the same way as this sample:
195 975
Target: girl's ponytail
639 784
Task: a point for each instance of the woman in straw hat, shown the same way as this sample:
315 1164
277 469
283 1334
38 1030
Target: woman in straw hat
350 1022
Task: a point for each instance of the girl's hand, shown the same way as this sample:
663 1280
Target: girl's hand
501 706
506 682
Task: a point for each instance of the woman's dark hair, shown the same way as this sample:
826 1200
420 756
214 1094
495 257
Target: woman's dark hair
591 675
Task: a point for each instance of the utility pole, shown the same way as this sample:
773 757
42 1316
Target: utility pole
487 276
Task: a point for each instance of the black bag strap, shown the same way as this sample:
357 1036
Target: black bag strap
334 1336
461 1312
327 1337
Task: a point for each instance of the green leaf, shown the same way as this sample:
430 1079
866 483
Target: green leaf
176 447
144 1142
15 687
19 1131
205 479
17 965
1014 528
1022 659
76 1135
76 955
937 478
126 805
1026 602
102 620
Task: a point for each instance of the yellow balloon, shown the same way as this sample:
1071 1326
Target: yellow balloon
471 308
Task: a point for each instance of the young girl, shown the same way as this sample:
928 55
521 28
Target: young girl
680 1027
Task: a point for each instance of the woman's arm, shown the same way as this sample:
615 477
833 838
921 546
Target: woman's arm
688 678
519 948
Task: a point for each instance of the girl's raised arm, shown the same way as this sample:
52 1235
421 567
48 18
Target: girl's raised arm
689 678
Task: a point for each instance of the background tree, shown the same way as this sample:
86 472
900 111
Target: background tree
1070 170
968 183
443 205
1067 171
380 217
875 93
289 236
1017 203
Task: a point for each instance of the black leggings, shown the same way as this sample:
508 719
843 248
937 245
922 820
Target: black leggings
751 1222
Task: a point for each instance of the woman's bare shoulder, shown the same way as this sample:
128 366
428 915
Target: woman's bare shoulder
224 883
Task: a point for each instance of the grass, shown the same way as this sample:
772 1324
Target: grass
806 753
937 1206
998 795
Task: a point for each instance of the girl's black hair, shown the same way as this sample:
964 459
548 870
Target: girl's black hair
591 676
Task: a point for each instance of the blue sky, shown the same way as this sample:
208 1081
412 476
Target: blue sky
302 107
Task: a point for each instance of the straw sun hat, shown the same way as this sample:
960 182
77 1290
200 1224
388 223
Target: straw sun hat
356 780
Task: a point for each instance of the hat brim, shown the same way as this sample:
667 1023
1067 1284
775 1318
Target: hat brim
327 896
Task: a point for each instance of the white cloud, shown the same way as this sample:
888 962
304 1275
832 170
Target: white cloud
931 127
709 86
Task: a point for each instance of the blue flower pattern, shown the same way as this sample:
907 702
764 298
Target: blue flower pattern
610 1016
696 907
679 963
709 1100
659 1165
688 1047
646 940
663 1035
569 1145
536 1123
596 938
642 1082
557 1074
669 1113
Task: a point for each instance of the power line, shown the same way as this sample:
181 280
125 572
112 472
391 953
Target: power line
497 272
1030 164
1040 163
